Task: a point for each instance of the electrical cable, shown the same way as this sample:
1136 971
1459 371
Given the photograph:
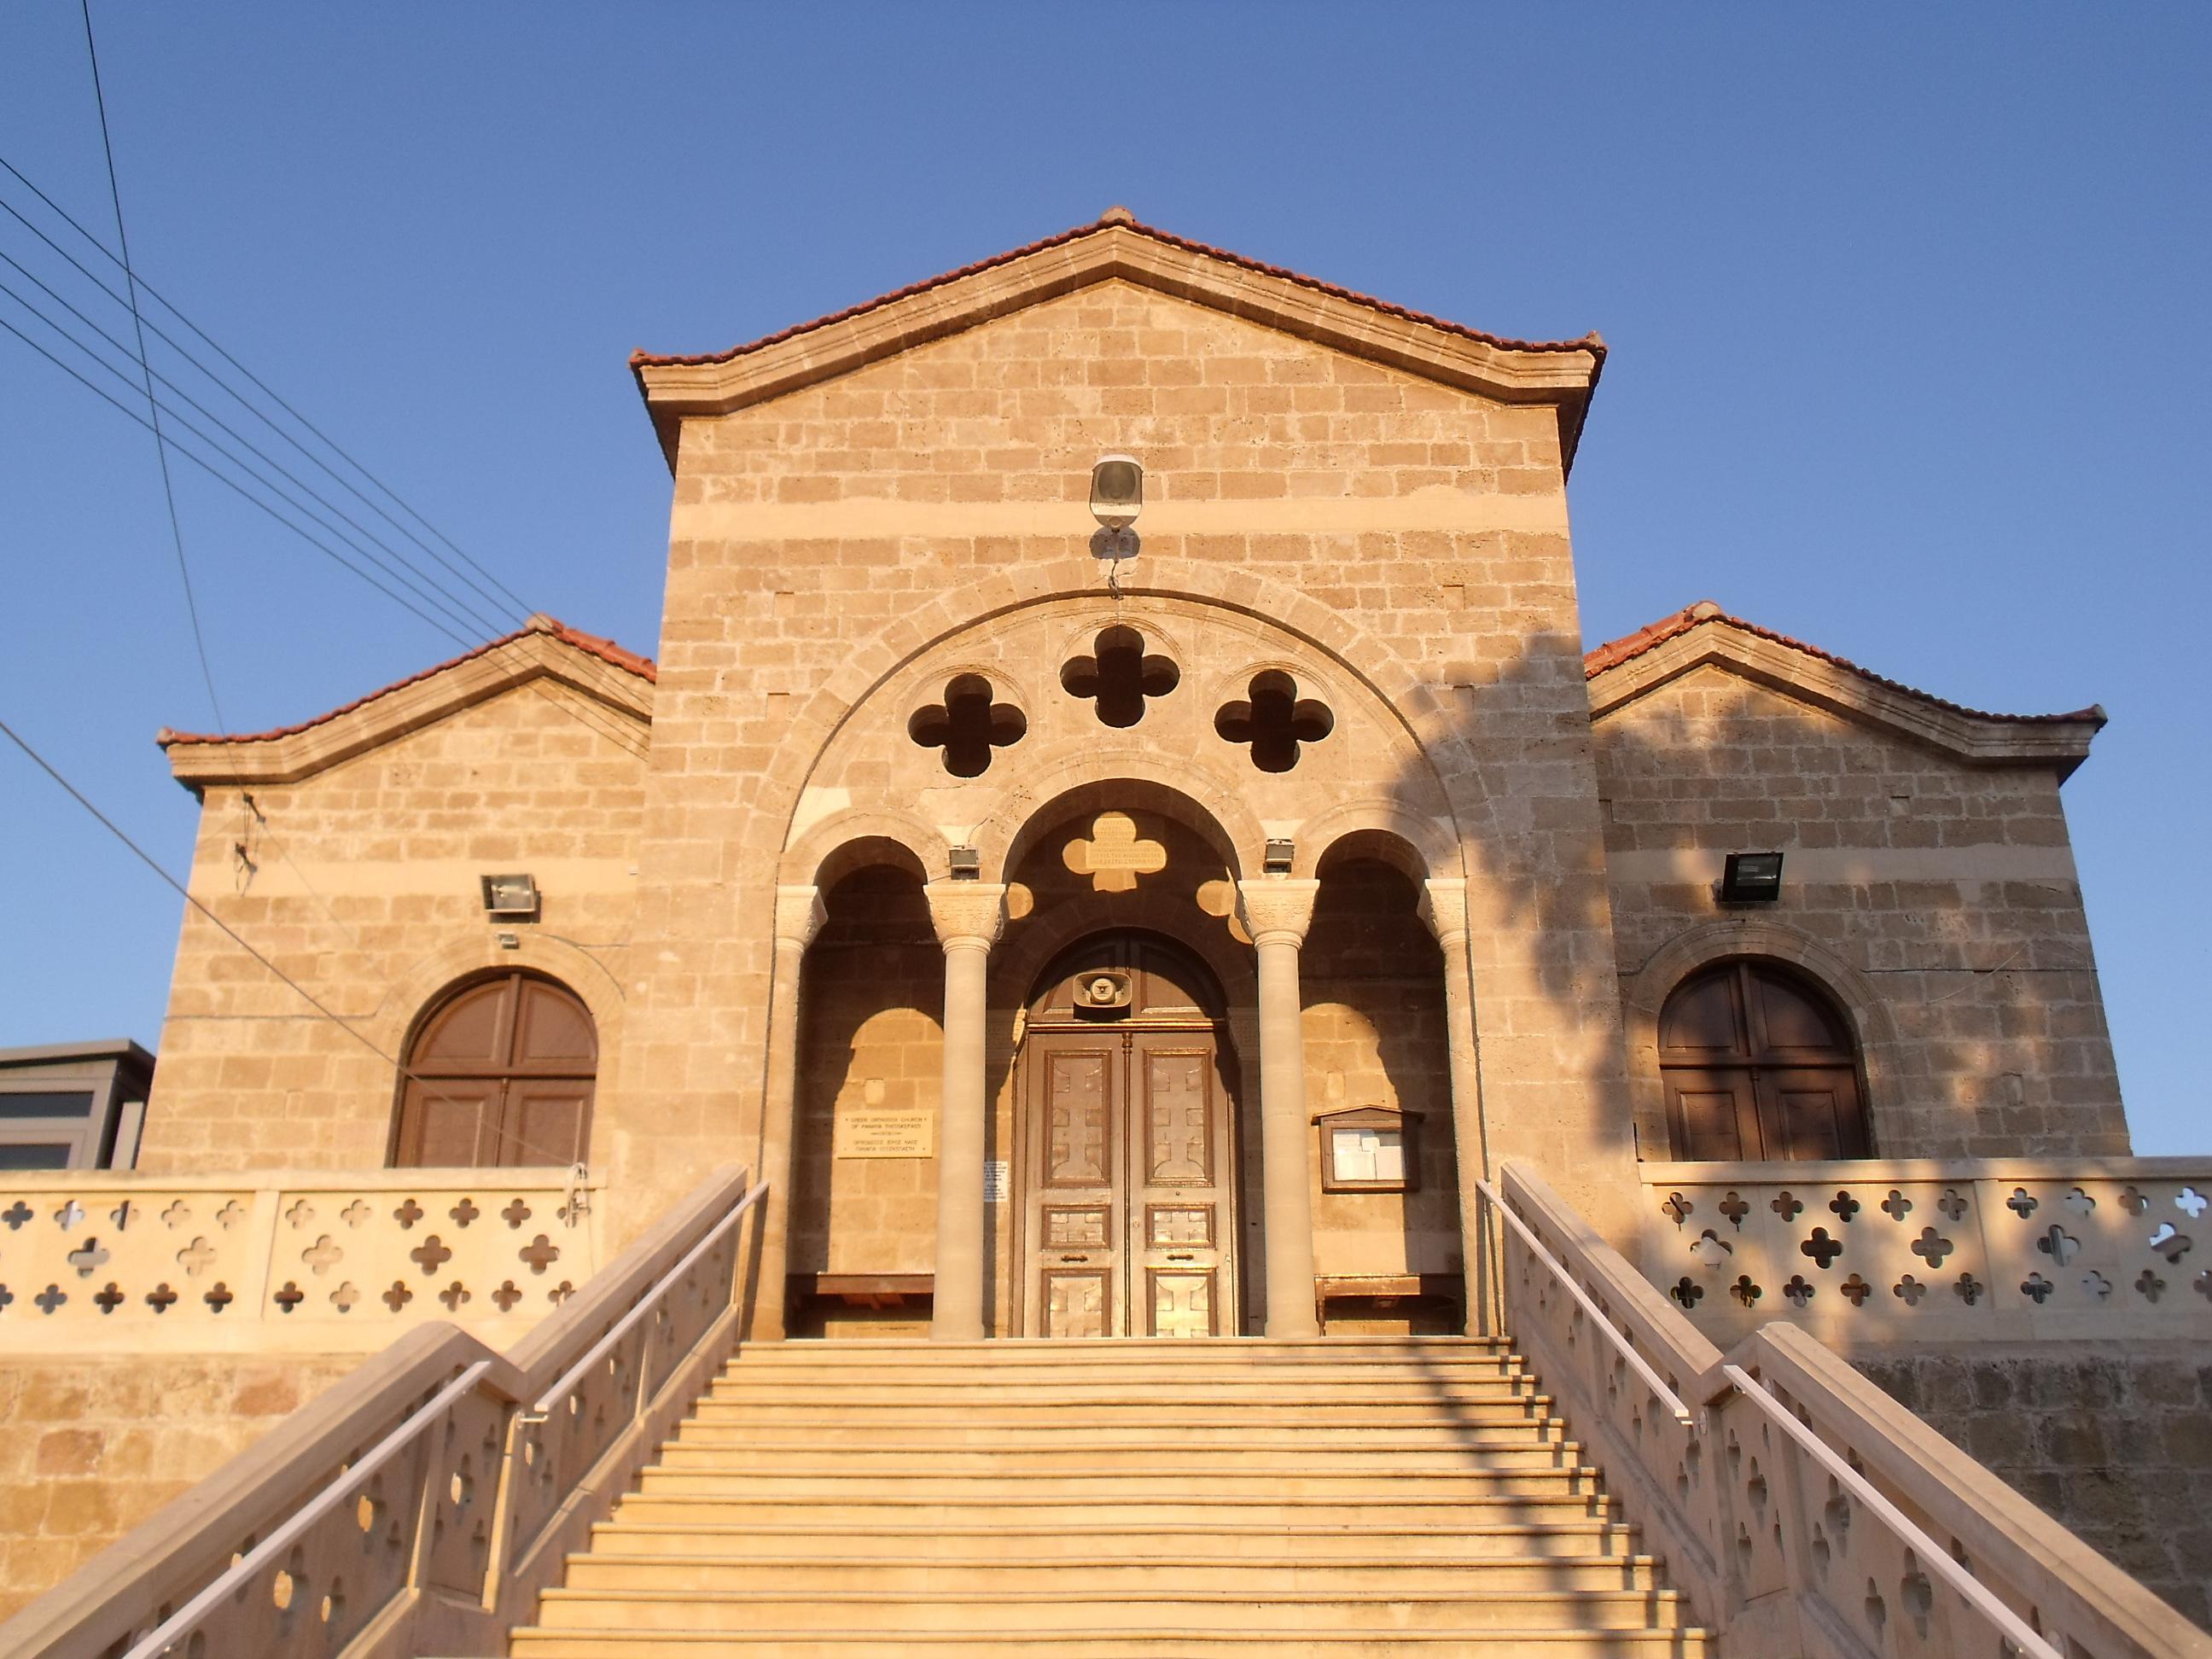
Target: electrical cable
585 716
618 736
458 607
161 446
240 939
147 287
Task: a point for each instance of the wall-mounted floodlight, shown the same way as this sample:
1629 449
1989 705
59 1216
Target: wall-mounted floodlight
510 898
1117 490
1752 878
966 863
1277 858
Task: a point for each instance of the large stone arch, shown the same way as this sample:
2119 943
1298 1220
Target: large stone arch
1124 775
810 858
1643 994
1423 848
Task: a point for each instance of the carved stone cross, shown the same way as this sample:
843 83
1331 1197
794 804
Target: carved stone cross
1115 854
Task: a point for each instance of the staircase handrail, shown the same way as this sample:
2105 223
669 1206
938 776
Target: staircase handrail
1668 1397
1734 1501
350 1529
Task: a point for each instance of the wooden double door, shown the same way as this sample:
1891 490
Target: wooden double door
1127 1148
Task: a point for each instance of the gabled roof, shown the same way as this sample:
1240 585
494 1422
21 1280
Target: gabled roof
1559 371
543 648
1623 670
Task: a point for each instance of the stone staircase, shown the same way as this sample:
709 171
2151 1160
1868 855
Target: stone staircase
1345 1496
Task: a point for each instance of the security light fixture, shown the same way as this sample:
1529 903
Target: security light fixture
1117 491
510 898
966 863
1752 878
1278 858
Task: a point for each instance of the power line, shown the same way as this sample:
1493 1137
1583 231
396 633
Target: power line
337 448
160 448
237 937
454 604
592 720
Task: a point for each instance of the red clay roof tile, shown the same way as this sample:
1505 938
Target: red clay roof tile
605 650
1652 635
1590 342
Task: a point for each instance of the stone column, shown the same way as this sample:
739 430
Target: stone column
1443 906
799 918
967 916
1276 911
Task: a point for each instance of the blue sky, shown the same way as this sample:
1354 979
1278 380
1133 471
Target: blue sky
1906 307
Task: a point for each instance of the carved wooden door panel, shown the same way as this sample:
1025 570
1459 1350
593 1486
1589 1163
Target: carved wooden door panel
1181 1279
1076 1201
1128 1216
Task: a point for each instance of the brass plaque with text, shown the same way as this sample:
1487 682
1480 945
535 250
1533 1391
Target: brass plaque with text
907 1134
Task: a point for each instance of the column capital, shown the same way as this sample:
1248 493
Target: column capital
799 914
967 911
1443 908
1275 909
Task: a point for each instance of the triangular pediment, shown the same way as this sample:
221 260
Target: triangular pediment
1703 635
616 684
1561 373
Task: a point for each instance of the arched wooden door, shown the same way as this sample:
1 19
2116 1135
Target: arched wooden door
1759 1064
500 1072
1127 1147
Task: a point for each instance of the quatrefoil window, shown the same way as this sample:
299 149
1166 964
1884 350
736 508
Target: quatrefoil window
1120 675
966 725
1275 720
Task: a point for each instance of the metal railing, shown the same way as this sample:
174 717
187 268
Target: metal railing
1498 1207
423 1502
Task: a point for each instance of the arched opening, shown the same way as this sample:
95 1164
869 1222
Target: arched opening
1758 1063
1126 1138
498 1070
1387 1241
863 1216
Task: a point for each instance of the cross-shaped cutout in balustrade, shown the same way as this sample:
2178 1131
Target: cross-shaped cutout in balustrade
345 1297
356 1213
16 1215
408 1215
231 1214
162 1298
219 1298
453 1295
542 1254
88 1257
69 1215
515 1213
48 1300
1275 720
1119 675
111 1298
968 726
506 1296
290 1297
464 1211
300 1215
195 1257
430 1255
399 1296
178 1213
322 1255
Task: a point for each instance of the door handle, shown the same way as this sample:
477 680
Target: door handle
1183 1256
1075 1258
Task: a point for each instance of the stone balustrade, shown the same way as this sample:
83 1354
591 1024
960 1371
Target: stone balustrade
325 1261
1881 1250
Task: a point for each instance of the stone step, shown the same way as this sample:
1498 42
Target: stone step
875 1506
680 1574
983 1394
837 1483
1044 1461
1383 1535
1382 1641
1445 1437
843 1349
1076 1411
1285 1613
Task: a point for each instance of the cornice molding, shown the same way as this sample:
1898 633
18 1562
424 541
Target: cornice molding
675 390
2060 742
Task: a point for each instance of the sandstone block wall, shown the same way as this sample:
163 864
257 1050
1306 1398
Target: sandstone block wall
1936 899
90 1446
364 888
2113 1442
823 537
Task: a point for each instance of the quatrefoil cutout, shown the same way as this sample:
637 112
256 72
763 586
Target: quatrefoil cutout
1275 720
968 726
1119 675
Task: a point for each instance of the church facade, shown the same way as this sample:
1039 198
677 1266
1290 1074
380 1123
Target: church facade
1144 930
